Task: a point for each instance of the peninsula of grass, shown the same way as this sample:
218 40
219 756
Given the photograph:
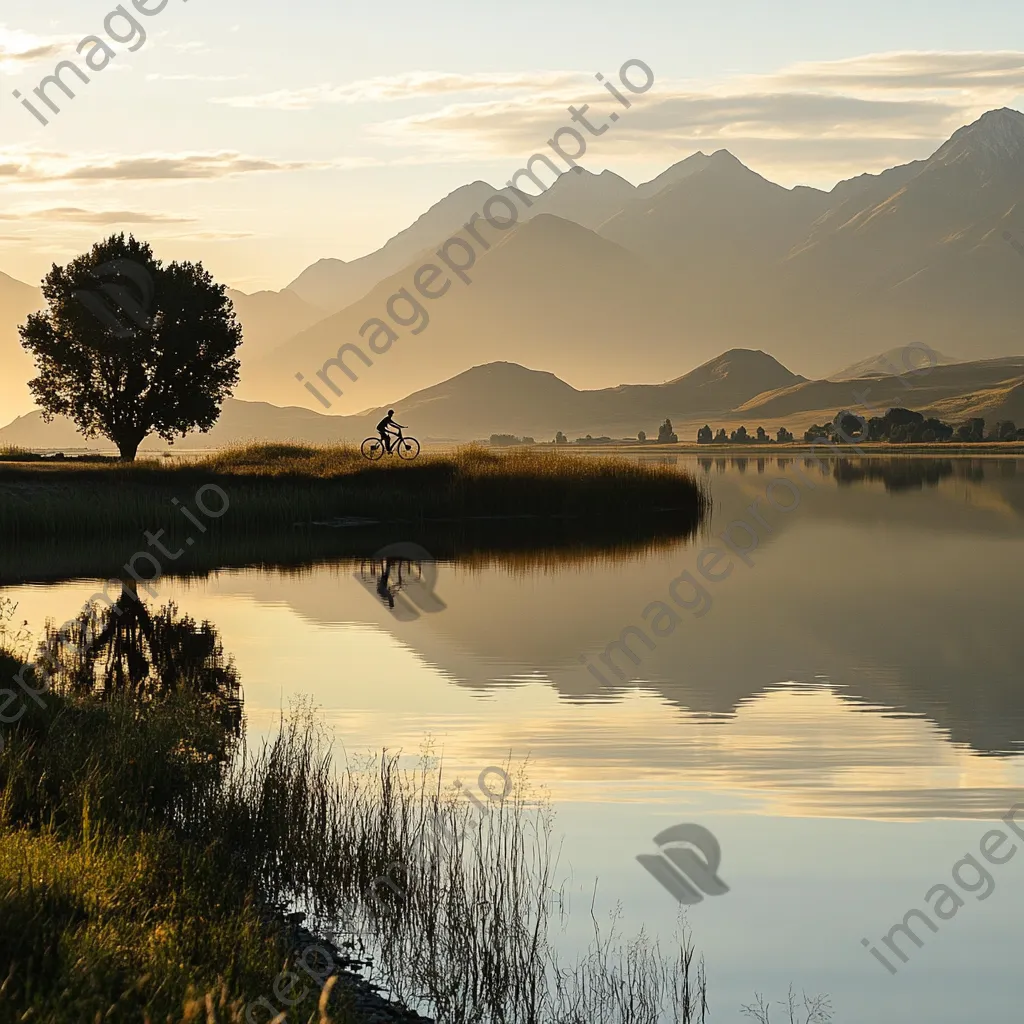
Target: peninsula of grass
263 488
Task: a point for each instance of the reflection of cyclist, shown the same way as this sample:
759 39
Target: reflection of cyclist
384 429
383 588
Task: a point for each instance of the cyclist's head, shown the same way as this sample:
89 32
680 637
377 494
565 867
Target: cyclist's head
391 412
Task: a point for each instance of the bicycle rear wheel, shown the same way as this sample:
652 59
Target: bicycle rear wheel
408 448
372 448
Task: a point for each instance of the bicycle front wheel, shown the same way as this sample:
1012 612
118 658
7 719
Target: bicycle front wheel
373 448
408 448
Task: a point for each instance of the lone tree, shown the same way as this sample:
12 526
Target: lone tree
128 347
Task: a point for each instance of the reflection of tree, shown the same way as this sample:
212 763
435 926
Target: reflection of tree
125 649
897 474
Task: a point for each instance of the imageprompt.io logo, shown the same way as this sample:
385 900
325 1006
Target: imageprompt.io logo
678 867
403 576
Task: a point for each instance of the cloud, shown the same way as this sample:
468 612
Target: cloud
413 85
51 167
192 165
687 113
74 214
156 76
18 48
220 236
193 46
817 120
912 70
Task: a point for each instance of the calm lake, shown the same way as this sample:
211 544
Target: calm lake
841 708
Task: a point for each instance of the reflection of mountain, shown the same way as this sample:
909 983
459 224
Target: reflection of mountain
903 602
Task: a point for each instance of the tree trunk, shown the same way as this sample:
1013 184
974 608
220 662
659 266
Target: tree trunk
128 450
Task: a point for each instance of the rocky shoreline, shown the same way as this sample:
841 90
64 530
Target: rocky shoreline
360 1001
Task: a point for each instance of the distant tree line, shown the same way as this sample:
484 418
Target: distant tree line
500 439
666 435
896 426
740 436
904 426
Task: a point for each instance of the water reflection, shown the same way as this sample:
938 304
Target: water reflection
886 596
896 474
518 542
847 696
125 648
403 577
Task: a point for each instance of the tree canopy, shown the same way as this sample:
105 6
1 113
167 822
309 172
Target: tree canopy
128 347
665 433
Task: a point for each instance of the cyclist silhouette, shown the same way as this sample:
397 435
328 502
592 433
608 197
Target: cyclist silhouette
384 429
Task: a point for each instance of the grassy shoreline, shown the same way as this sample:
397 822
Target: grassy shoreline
263 488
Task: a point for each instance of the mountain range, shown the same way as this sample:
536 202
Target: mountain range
602 282
738 387
708 256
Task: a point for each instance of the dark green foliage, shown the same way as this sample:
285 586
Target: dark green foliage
128 347
848 426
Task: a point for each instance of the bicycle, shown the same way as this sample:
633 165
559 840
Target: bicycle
406 447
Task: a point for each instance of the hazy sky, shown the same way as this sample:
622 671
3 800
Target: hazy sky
261 136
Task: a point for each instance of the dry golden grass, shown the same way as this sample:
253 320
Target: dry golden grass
273 487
